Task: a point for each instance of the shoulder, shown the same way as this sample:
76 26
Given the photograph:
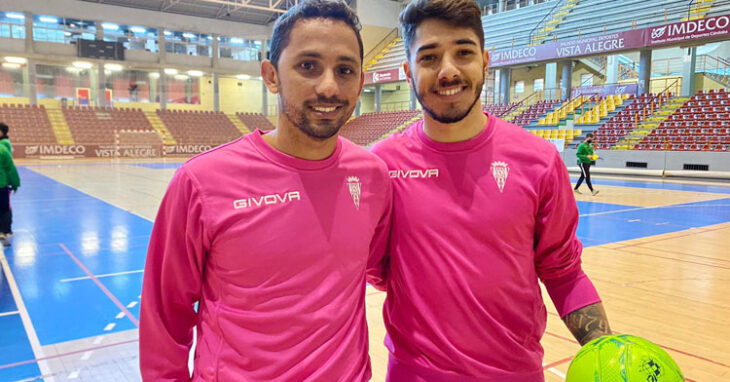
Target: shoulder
352 153
509 134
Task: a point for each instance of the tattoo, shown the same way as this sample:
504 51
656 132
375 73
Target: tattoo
588 323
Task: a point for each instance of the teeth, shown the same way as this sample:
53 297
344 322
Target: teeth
449 92
324 109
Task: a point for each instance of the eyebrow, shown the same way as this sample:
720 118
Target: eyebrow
319 56
463 41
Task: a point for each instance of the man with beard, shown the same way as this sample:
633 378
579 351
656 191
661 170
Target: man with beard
489 213
271 234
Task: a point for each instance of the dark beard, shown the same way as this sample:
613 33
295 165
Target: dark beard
446 118
298 118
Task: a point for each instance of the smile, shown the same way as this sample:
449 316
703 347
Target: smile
449 92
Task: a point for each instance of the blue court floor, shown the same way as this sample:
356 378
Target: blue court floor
77 261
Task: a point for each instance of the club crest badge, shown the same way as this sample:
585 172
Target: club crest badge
355 187
500 170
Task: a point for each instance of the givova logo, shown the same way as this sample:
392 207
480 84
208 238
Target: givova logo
411 174
267 200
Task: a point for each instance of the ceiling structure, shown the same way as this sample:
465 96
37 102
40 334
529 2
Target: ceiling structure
260 12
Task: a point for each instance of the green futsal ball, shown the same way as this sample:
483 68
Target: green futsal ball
623 358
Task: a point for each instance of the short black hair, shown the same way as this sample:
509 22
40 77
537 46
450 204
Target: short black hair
589 135
311 9
4 129
459 13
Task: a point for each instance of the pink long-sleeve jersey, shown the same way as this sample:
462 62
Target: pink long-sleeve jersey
475 225
275 250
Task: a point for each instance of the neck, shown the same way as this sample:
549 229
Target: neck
466 129
288 139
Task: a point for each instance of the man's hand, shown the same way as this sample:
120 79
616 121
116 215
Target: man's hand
588 323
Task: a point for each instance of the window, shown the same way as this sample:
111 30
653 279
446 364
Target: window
12 25
586 80
239 48
519 87
187 43
539 85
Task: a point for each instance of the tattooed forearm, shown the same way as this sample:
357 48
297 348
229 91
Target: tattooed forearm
588 323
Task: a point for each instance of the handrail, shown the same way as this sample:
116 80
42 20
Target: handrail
539 23
517 104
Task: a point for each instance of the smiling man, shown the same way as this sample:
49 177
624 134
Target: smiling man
470 240
271 234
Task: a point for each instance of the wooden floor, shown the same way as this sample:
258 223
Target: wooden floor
672 288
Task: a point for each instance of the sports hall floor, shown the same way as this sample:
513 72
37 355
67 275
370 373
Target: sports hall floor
658 251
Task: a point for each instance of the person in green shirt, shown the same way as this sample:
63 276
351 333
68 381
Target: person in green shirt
585 159
10 181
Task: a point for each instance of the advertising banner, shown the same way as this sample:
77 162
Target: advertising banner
694 31
87 151
604 90
385 76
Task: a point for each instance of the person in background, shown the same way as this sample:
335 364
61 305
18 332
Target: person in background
9 180
585 160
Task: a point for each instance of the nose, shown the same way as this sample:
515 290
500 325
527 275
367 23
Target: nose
327 86
448 70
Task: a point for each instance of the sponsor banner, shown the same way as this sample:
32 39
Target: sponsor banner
87 151
385 76
710 28
605 90
185 150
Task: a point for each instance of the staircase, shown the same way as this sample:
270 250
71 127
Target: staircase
515 112
237 122
381 54
699 9
159 126
721 78
650 123
552 22
60 127
602 109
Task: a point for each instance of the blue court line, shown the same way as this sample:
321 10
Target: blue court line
106 239
636 223
597 182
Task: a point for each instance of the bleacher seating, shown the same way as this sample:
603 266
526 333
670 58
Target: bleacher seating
199 127
702 124
535 111
623 122
369 127
255 121
28 124
499 109
100 125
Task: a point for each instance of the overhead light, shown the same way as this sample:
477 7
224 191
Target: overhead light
210 37
170 71
110 26
72 25
16 60
189 35
154 75
243 77
15 15
113 67
138 29
237 40
168 33
11 65
181 77
72 69
195 73
67 34
83 64
48 19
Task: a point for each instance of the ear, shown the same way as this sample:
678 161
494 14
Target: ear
407 70
270 76
486 61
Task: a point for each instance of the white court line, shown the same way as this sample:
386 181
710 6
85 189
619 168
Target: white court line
100 276
9 313
109 327
132 304
555 371
35 344
120 316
